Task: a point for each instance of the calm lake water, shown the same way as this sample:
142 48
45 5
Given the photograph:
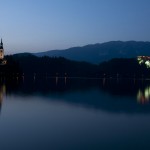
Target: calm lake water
75 114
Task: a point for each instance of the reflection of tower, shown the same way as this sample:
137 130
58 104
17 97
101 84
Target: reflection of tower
1 50
2 93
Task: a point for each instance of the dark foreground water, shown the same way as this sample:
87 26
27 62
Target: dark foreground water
76 114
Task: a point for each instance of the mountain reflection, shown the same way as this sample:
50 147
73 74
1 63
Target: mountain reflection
117 96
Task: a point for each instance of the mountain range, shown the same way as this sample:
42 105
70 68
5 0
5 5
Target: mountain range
97 53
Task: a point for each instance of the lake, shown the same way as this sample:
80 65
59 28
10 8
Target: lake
75 114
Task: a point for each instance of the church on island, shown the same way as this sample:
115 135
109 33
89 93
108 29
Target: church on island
2 60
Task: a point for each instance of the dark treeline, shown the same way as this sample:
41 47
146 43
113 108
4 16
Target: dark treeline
52 66
125 68
28 65
12 68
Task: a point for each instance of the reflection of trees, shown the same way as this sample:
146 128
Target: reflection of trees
143 97
109 95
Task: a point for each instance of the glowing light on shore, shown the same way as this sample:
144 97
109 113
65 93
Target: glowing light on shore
144 60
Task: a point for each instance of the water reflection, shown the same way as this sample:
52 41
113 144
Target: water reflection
79 114
143 97
2 94
116 96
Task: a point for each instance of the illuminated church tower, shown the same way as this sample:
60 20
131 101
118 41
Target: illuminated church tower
1 50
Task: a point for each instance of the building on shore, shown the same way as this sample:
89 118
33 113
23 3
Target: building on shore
1 50
2 60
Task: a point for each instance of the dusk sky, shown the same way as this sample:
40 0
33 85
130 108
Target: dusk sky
41 25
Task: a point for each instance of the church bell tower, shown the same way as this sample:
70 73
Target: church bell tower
1 50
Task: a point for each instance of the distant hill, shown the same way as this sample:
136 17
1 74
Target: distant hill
98 53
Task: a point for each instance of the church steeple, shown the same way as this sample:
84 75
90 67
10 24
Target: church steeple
1 45
1 50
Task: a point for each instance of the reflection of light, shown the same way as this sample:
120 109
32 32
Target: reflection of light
143 97
2 92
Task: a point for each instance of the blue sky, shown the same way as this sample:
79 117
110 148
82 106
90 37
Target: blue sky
40 25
